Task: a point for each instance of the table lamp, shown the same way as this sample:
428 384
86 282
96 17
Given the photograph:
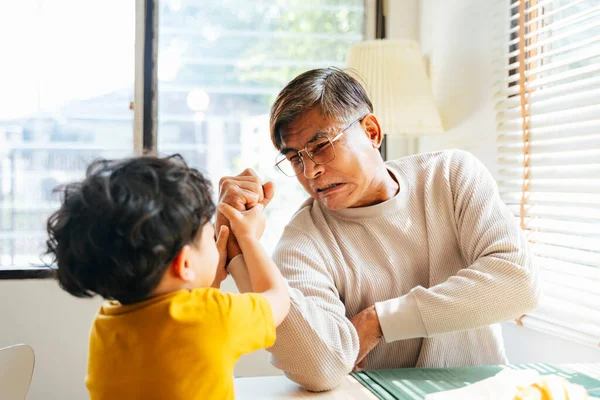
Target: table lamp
393 73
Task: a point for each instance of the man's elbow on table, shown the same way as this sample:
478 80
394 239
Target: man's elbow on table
320 380
317 374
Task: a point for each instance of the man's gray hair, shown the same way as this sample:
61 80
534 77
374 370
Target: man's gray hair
336 93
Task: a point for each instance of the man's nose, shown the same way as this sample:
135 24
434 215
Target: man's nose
312 169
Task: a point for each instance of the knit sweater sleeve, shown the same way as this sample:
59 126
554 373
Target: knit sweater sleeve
500 281
316 344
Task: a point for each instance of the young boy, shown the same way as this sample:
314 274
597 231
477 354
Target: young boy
137 232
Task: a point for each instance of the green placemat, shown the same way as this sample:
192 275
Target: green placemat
416 383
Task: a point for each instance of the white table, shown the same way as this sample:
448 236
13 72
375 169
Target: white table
279 387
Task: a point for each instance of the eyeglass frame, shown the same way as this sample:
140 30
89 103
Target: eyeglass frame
309 154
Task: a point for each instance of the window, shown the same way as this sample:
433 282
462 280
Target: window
549 154
67 84
220 66
66 87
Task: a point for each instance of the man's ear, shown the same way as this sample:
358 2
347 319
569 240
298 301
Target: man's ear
373 130
180 266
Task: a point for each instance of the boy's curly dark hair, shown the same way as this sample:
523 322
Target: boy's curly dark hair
117 230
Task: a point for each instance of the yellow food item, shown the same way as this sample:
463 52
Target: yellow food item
552 387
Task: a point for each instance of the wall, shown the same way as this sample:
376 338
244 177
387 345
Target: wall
456 37
524 345
402 22
56 325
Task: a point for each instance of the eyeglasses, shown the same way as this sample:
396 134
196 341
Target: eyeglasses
320 150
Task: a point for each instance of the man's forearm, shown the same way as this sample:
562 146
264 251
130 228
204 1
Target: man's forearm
313 350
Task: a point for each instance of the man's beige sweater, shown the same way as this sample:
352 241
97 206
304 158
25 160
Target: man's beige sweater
444 261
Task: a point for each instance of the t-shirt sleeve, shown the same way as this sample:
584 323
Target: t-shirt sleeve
249 321
244 322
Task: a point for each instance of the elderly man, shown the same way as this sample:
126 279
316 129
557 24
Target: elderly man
405 263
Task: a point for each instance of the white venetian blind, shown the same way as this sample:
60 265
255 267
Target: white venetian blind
548 111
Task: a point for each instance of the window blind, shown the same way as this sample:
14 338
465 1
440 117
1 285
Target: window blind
548 113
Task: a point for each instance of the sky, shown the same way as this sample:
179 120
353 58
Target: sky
56 51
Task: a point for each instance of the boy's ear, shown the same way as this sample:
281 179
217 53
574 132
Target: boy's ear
181 266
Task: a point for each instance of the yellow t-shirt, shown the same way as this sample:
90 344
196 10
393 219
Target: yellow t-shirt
181 345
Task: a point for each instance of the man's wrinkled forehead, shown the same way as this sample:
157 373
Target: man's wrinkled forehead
293 143
296 134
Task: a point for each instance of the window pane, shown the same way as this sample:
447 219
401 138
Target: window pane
565 25
220 66
67 80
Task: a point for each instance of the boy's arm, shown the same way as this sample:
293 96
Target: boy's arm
265 278
242 192
263 274
238 271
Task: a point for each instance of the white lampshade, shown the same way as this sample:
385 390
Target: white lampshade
393 72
